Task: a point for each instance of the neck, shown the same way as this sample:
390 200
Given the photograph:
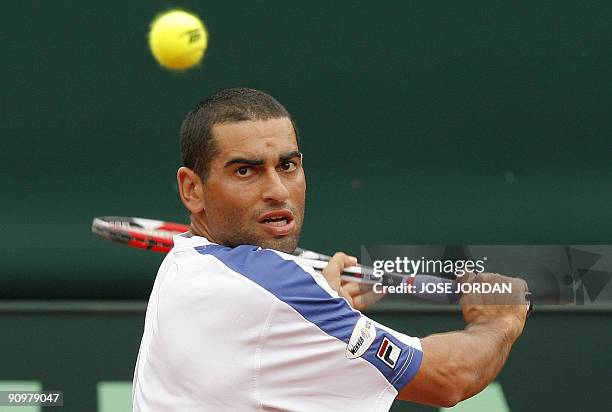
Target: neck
198 227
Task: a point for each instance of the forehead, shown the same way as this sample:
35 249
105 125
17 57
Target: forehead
254 138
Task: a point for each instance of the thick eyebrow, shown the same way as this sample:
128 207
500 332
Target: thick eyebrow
284 157
244 161
258 162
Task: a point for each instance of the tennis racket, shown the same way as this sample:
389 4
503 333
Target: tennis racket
156 235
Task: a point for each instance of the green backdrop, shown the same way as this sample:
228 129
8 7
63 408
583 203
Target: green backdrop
422 122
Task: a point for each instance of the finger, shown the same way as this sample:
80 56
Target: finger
359 303
334 269
467 277
336 263
367 299
350 261
354 288
343 293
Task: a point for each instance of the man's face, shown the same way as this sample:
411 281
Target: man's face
256 189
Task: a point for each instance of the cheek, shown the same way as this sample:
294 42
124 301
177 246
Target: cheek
234 210
300 191
229 206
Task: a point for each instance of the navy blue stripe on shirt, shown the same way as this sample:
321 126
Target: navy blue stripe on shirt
286 280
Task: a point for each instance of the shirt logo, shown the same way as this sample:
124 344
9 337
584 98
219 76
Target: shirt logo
361 339
389 353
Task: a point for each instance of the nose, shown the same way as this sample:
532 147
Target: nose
275 189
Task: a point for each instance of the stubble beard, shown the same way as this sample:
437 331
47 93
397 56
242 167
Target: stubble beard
234 237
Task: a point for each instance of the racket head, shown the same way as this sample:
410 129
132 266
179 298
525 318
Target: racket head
155 235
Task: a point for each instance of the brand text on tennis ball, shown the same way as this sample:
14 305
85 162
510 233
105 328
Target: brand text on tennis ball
177 39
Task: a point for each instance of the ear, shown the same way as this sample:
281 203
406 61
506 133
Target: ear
191 189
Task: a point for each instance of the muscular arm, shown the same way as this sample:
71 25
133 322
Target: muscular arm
458 365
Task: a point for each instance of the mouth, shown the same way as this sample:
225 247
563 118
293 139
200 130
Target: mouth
277 222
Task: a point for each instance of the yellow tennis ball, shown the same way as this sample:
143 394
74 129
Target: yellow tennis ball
177 39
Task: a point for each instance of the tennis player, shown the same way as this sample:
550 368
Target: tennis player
235 323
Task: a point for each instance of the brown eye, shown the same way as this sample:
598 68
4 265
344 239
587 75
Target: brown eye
288 167
243 171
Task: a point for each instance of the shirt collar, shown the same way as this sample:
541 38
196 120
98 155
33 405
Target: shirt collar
188 240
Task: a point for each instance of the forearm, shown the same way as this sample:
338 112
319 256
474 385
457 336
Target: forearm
484 348
457 365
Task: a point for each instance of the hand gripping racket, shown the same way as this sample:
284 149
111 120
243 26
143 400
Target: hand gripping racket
156 235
